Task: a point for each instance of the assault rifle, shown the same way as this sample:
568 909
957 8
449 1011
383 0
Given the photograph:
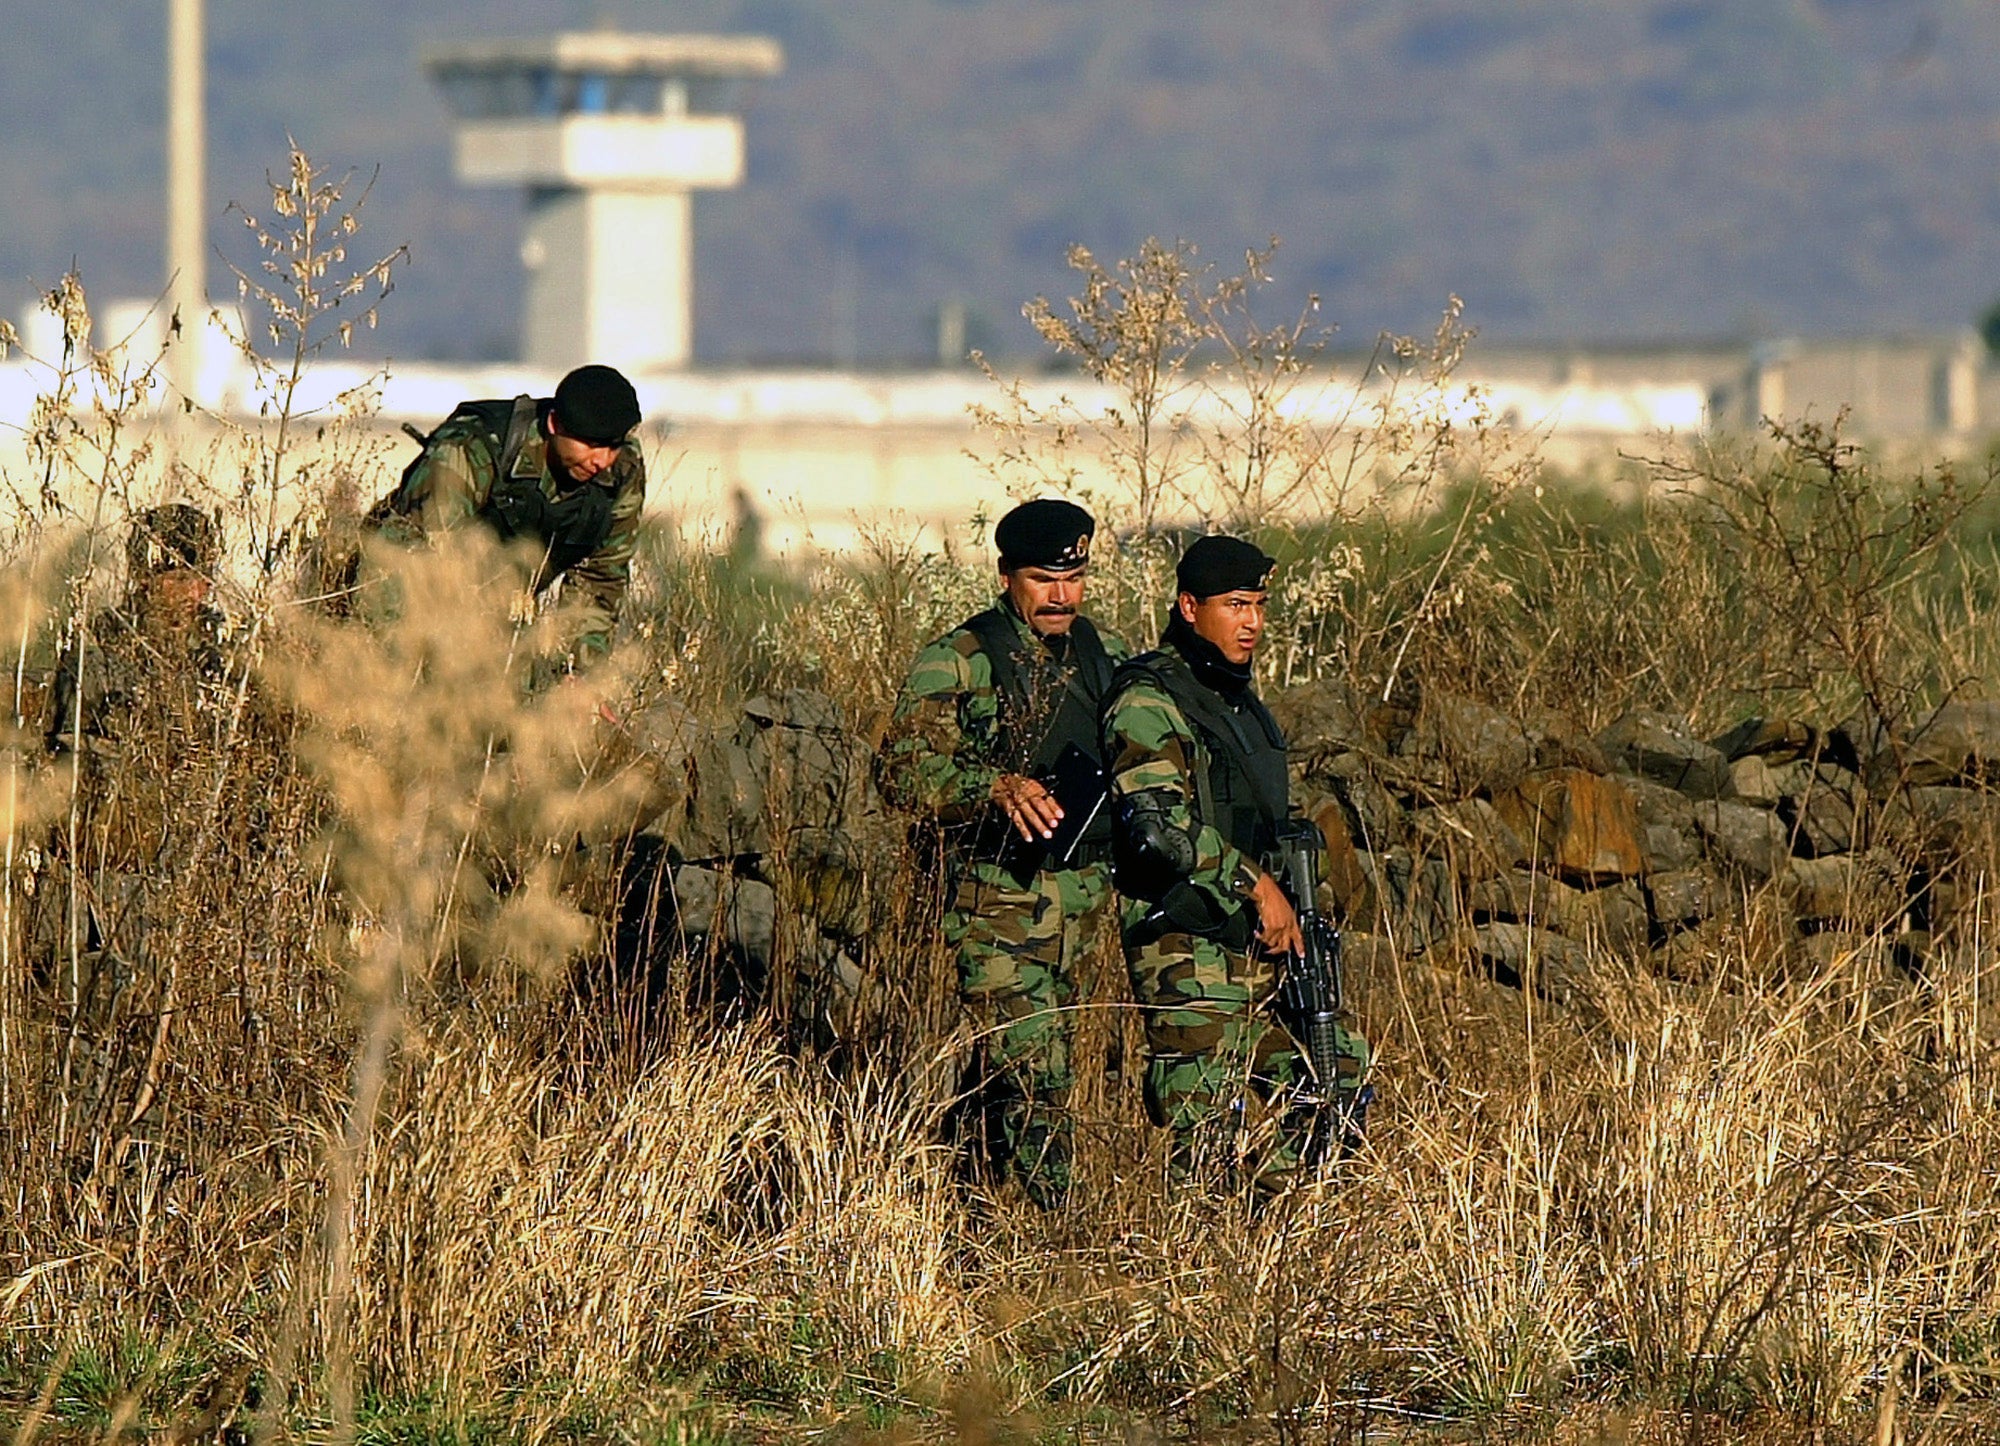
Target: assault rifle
1309 999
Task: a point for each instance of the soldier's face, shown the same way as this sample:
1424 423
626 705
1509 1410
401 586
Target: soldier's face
176 595
1048 600
1233 621
577 459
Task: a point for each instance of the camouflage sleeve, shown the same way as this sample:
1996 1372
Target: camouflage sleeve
595 588
452 480
934 754
1114 646
1150 747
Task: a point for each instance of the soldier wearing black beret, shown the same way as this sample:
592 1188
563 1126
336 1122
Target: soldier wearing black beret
1202 796
560 476
995 722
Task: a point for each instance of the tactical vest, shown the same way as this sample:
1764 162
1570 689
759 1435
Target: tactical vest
1045 706
1240 782
567 528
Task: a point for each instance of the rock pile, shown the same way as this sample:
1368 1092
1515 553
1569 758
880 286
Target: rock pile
763 839
1450 824
1453 831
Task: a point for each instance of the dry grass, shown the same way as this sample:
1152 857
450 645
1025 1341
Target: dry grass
353 1153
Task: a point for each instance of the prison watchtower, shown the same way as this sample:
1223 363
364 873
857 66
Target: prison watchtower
610 134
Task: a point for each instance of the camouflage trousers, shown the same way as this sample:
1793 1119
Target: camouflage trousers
1221 1072
1016 976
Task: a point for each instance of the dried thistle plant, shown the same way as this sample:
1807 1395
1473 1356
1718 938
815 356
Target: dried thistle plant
310 295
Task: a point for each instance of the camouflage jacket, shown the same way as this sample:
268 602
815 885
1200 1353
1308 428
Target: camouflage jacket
1149 745
941 753
453 480
133 704
124 675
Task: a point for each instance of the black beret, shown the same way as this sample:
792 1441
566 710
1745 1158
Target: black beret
1223 564
1049 533
596 404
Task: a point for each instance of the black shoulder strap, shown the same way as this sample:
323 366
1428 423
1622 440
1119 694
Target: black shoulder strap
1090 680
999 641
520 426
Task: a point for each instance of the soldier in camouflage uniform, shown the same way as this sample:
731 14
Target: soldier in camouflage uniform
562 475
136 693
984 717
1200 786
156 648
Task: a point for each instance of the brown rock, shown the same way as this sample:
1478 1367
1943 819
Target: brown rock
1769 738
1577 825
1343 877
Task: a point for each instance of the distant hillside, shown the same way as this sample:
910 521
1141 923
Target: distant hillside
1571 167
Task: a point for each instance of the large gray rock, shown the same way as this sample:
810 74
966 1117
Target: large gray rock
1749 840
716 905
1471 836
1685 898
1658 804
1478 749
1824 808
1655 746
1519 956
1863 891
790 766
1669 849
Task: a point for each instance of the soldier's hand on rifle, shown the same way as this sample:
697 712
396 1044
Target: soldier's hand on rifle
1277 921
1029 804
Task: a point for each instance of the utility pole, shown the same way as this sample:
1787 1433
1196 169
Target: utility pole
187 255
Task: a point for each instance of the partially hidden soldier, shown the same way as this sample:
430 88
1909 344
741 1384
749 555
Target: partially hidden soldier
562 476
1201 793
994 736
137 691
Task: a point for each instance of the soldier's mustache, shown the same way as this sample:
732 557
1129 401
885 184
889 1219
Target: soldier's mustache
1055 612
